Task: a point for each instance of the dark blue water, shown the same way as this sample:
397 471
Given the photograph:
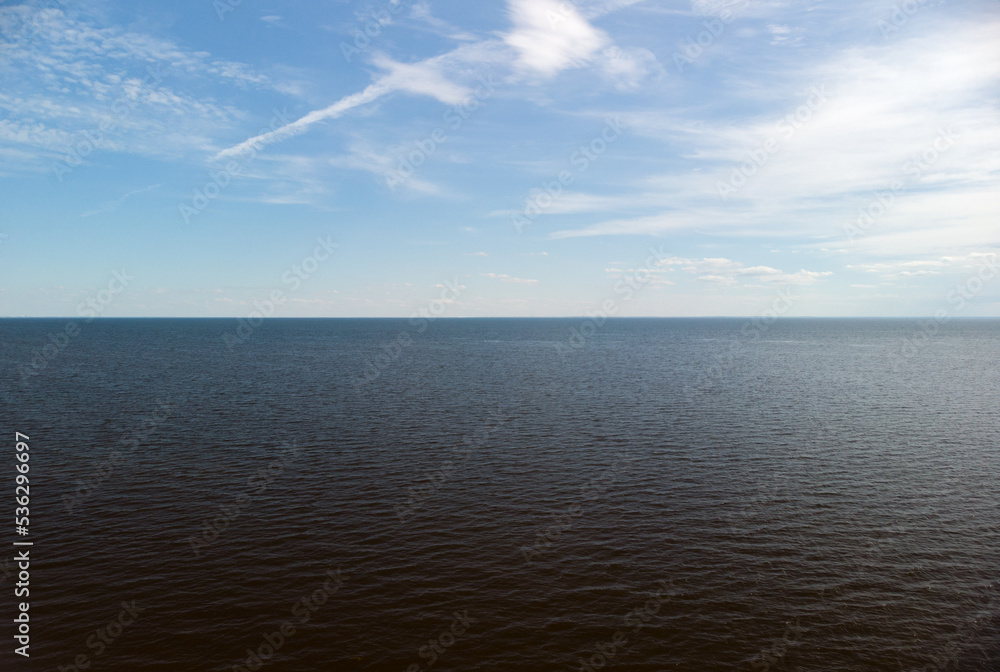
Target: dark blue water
507 494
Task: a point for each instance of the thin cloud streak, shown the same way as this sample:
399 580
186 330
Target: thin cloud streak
299 126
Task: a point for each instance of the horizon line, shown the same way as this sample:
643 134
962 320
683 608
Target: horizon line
945 318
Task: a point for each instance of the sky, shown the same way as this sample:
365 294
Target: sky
228 158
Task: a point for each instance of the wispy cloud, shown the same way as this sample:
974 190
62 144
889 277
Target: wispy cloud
124 91
915 268
113 205
887 106
507 278
547 37
75 85
372 92
722 271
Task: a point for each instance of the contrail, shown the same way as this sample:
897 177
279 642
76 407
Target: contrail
298 126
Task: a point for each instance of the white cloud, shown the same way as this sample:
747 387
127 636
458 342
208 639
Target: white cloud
718 280
628 69
507 278
547 36
424 78
784 35
915 268
722 271
887 106
551 36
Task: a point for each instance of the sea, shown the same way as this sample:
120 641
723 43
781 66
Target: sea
582 494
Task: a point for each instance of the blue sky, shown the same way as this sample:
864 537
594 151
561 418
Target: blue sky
519 158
